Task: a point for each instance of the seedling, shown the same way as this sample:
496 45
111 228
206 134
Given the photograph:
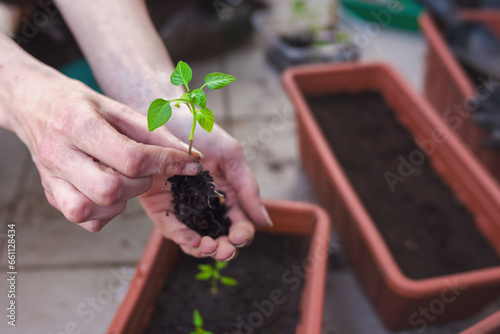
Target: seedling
208 272
160 110
198 324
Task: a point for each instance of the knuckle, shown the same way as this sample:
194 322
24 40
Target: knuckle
108 192
94 226
134 159
77 211
64 121
172 166
75 116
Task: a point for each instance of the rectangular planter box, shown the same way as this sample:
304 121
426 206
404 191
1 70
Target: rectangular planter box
448 87
160 254
394 296
490 325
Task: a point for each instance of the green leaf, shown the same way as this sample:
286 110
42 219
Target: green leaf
221 265
204 275
159 113
229 281
181 75
205 267
218 80
205 118
197 319
199 98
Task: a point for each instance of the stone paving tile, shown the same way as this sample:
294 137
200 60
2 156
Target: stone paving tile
271 149
215 98
66 301
348 311
45 237
257 90
14 155
405 51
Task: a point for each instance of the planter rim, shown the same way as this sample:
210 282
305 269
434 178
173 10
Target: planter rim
489 325
450 61
311 309
383 257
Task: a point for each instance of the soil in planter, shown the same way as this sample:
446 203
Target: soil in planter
429 232
271 268
198 205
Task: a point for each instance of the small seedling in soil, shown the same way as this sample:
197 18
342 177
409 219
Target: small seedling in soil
198 324
208 272
195 201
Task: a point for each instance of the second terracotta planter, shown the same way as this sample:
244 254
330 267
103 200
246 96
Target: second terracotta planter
397 299
490 325
448 87
159 260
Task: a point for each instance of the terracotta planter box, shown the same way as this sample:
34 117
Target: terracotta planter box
159 260
447 85
490 325
395 297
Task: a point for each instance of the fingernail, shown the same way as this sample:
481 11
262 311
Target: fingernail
242 244
230 258
197 152
208 255
191 168
266 216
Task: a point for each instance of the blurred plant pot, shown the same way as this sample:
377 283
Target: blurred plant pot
395 297
490 325
448 87
283 53
160 255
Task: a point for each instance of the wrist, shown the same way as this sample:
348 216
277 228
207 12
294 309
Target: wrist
20 78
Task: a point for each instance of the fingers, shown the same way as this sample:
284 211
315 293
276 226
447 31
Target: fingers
247 192
101 184
242 231
176 231
77 208
193 244
224 250
92 134
134 125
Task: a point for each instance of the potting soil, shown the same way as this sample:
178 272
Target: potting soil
427 229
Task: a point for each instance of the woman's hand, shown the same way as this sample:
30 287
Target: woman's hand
131 65
225 160
93 154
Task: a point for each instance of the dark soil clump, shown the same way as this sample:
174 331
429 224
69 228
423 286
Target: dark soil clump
270 269
428 231
198 205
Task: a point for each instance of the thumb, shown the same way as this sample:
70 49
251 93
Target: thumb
151 159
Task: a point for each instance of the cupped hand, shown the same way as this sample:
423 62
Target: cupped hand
223 157
93 154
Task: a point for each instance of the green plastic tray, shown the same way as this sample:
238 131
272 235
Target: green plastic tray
80 70
406 19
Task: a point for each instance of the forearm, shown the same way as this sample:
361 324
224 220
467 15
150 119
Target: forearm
18 73
123 48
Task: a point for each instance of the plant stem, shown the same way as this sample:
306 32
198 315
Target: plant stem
191 136
213 289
